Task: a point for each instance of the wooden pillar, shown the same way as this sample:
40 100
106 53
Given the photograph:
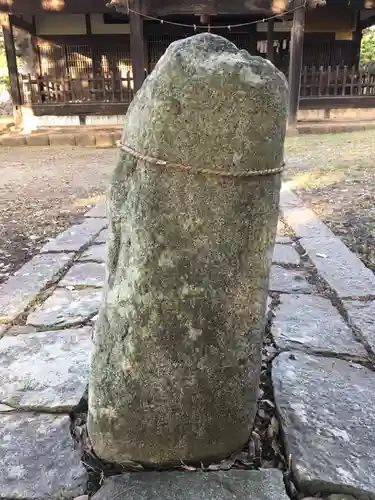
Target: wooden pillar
137 45
270 39
35 45
295 64
10 53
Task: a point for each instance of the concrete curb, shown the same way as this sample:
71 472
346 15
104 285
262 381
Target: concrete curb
98 139
329 128
104 139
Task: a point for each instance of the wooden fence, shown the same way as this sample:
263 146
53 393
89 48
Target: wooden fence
340 81
320 88
84 89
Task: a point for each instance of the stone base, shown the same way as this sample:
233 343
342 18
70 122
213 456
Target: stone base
234 484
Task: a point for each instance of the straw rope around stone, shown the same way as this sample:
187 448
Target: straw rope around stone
198 170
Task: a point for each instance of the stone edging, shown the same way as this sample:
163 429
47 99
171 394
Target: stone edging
350 280
103 139
93 138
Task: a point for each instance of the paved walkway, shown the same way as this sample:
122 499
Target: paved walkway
323 373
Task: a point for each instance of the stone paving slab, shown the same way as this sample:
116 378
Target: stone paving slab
74 238
286 255
281 233
235 484
95 253
102 237
90 274
327 409
362 316
44 371
37 459
289 281
311 322
66 308
98 211
341 269
23 287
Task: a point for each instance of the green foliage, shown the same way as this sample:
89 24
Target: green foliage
368 46
5 82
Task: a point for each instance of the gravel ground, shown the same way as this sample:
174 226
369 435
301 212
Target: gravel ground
43 191
335 176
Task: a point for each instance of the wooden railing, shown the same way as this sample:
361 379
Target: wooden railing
85 89
340 81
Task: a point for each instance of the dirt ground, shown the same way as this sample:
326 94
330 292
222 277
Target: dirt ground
335 176
45 190
42 192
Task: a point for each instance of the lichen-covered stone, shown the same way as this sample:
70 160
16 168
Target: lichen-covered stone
327 411
175 368
37 458
224 485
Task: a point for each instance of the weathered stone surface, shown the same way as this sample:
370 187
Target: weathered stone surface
66 308
362 316
285 255
327 408
283 239
24 286
289 281
346 497
46 370
281 234
341 268
89 274
21 329
302 220
94 253
37 459
175 368
102 237
312 322
98 211
75 237
5 408
234 484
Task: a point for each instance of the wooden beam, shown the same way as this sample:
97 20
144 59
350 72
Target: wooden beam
344 102
21 23
61 109
295 64
88 24
10 53
270 39
137 46
64 6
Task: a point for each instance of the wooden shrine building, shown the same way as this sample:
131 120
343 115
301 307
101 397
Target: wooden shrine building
85 58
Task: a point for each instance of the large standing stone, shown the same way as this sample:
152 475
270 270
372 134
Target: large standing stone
231 485
327 408
176 362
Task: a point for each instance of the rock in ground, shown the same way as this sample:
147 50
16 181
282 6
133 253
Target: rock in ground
45 371
312 323
234 484
37 459
66 308
176 362
327 408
